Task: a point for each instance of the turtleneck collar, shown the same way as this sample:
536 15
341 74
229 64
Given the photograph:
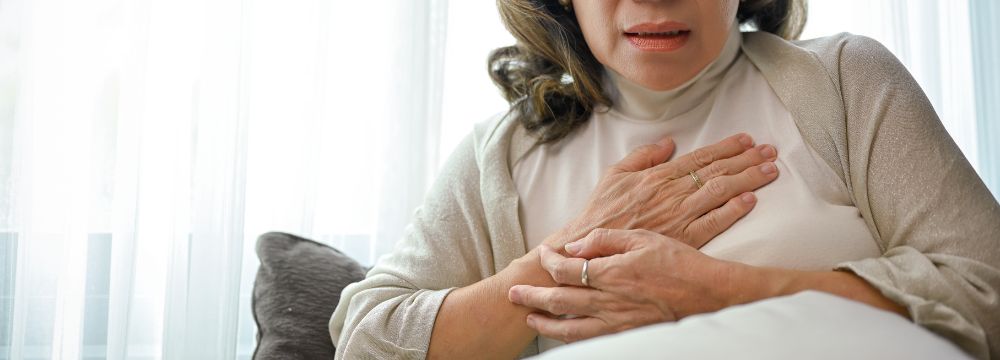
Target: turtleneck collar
640 103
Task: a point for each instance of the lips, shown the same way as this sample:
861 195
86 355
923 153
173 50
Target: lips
661 37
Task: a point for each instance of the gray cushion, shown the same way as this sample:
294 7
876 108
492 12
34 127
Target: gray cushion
296 290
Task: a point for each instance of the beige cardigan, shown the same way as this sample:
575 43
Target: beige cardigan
854 103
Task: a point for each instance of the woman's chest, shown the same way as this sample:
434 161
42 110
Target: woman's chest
805 219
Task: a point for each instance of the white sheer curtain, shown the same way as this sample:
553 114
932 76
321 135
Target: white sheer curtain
986 51
145 144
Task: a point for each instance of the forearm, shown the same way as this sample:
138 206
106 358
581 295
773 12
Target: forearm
762 283
478 321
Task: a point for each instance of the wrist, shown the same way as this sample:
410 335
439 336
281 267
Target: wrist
525 270
574 230
557 240
748 283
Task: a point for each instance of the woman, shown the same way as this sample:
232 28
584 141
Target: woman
874 202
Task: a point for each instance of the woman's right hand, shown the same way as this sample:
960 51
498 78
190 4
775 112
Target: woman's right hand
643 192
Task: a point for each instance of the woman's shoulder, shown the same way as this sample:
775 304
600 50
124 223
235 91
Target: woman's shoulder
488 131
844 56
502 135
821 81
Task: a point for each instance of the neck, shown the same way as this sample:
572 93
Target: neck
637 102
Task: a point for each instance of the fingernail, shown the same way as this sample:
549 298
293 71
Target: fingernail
531 320
664 142
768 151
747 198
514 295
746 140
572 248
768 168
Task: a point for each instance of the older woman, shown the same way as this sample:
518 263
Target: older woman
875 203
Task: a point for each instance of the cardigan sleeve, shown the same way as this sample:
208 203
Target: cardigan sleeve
936 222
391 313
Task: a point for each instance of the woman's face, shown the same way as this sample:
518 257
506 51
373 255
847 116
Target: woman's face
657 44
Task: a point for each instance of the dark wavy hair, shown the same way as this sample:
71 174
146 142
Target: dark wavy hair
552 80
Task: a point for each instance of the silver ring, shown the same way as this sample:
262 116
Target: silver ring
697 179
584 278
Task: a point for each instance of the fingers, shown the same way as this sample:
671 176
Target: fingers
719 190
603 247
645 157
702 157
569 271
713 223
568 330
736 164
564 300
566 271
603 242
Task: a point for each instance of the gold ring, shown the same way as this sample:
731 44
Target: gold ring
697 180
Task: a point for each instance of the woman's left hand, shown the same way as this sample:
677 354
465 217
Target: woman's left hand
635 278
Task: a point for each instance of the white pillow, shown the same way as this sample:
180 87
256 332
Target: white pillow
809 325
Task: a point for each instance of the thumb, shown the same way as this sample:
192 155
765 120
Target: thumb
645 157
603 243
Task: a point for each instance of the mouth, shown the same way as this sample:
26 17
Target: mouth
661 37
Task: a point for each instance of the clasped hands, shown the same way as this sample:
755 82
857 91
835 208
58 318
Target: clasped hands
636 278
645 222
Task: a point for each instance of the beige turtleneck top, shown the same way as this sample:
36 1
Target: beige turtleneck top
805 219
850 99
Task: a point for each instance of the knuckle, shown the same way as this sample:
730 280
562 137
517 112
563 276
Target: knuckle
600 235
734 141
743 161
735 206
712 170
561 272
728 167
558 304
667 171
569 334
712 222
715 188
702 157
739 184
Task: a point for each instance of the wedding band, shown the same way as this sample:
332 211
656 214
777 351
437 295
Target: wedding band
584 278
697 180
